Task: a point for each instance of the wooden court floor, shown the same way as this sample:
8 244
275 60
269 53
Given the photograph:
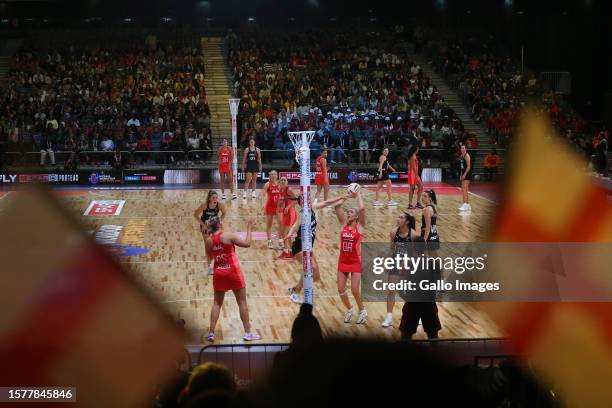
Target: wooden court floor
174 269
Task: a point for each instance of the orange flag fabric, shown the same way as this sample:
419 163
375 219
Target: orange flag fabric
69 316
549 197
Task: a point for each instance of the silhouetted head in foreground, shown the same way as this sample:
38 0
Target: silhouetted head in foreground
306 330
210 376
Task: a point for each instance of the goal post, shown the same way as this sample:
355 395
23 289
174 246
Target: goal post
234 102
301 143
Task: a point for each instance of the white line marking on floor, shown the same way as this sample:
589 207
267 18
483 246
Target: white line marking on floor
207 298
485 198
203 261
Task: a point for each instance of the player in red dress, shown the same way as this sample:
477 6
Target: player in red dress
322 176
296 246
288 215
225 169
228 275
349 261
272 208
414 181
211 208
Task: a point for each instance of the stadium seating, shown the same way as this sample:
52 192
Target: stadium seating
496 88
358 90
140 93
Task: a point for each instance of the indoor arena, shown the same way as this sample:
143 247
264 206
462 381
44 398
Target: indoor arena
238 203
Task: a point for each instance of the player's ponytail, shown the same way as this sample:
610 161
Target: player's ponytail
214 224
432 196
410 221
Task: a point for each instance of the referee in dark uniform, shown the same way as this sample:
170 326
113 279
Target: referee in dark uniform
420 305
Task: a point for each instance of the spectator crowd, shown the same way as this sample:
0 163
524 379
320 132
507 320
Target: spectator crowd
135 96
496 89
359 90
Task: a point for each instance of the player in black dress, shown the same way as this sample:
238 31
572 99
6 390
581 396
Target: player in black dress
296 246
400 238
382 178
429 230
465 176
251 165
425 311
212 208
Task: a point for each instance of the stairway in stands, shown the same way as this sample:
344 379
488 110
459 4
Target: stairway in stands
218 87
4 68
453 100
7 49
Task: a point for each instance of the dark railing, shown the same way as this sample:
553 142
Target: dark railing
99 157
484 345
347 156
249 362
492 360
470 341
246 362
213 352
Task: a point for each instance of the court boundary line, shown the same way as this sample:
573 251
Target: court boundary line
249 296
195 261
484 198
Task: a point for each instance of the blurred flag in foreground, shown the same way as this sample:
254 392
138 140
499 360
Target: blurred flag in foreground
550 198
69 316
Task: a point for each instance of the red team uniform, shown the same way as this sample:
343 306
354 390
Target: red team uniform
273 202
288 218
321 178
224 159
350 250
227 273
413 172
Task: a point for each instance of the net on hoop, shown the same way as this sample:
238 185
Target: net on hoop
301 142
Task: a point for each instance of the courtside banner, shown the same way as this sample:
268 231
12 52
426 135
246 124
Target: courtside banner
487 272
83 177
143 176
98 208
102 177
9 178
182 176
368 175
42 178
293 176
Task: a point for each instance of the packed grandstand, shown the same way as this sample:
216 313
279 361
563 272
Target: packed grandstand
361 90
